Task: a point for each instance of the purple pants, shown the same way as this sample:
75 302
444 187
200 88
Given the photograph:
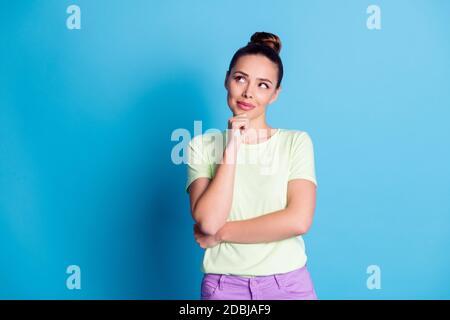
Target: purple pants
294 285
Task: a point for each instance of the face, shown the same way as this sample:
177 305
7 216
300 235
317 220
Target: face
252 80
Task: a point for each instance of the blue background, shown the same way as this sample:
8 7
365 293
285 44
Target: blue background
86 118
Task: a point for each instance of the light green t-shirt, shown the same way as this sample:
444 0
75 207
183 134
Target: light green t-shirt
260 187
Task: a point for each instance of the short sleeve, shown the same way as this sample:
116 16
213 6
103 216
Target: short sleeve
302 158
197 161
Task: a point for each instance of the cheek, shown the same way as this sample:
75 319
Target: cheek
233 89
263 97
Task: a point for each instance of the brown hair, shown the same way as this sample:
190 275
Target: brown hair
267 39
266 44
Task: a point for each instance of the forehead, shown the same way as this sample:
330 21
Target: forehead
257 66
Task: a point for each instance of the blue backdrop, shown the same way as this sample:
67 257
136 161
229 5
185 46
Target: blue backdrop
86 118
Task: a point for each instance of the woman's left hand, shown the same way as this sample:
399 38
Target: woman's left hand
204 240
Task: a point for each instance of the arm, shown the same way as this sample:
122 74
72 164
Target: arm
211 209
294 220
212 205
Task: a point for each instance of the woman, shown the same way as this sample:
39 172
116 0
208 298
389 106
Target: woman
253 198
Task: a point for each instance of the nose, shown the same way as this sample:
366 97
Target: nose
247 92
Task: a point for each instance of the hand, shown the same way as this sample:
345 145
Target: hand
204 240
238 127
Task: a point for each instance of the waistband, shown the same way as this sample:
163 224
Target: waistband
247 277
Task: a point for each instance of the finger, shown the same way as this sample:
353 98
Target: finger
238 118
239 123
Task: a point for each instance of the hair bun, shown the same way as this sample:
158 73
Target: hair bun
267 39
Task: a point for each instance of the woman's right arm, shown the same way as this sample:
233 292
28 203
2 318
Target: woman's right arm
211 199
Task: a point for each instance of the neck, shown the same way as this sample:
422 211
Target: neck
259 131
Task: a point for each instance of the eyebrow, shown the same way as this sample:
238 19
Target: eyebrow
247 76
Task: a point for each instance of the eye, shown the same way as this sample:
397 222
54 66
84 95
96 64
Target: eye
238 77
267 86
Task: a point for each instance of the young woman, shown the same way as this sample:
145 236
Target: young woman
253 189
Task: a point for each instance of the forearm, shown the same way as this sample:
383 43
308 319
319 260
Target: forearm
213 207
274 226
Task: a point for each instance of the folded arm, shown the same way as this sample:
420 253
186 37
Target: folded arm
294 220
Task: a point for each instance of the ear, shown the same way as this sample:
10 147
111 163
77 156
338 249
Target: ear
226 80
275 95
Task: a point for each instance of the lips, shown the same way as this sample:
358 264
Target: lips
245 106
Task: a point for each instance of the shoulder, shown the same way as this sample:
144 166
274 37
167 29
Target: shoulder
295 136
